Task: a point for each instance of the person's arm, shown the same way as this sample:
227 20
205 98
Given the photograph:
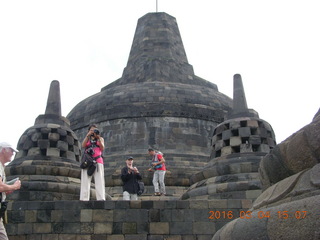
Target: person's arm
9 188
87 138
101 145
125 174
160 160
136 173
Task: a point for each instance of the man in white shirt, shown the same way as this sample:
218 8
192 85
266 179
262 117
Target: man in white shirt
6 153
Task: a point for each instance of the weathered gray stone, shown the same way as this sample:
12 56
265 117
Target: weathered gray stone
291 156
297 152
235 141
43 143
252 124
264 148
255 140
218 145
36 136
53 152
226 134
226 150
315 175
34 151
53 137
63 146
244 131
159 228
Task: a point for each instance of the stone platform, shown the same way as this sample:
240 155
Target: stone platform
121 220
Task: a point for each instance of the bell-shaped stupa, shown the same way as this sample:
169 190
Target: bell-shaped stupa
48 159
158 102
238 145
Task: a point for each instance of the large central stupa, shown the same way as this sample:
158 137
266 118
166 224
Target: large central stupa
158 102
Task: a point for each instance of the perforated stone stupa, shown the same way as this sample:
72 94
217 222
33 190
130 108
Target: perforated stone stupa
48 159
238 145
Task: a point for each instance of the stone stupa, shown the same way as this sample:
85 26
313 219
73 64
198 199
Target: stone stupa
48 159
238 145
158 102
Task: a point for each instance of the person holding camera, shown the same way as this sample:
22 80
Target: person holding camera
94 145
6 153
130 176
159 168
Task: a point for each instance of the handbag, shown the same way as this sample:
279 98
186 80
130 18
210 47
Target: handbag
92 168
88 162
140 187
3 209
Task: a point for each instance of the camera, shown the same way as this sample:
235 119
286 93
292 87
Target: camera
96 131
90 151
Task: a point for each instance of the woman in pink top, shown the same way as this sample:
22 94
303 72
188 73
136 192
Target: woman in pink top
94 145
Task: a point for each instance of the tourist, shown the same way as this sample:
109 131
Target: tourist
94 145
159 168
6 153
130 176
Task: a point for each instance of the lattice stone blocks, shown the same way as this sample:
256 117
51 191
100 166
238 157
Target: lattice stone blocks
50 140
242 135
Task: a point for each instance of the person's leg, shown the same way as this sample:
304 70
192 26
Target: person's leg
85 186
99 182
155 181
134 196
161 181
126 196
3 233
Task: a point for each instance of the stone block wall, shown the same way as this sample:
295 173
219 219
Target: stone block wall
133 136
120 220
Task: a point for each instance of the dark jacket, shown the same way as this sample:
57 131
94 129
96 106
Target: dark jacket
130 181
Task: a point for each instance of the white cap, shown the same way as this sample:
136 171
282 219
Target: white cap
7 145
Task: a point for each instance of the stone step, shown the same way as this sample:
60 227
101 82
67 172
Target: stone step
225 168
150 197
172 193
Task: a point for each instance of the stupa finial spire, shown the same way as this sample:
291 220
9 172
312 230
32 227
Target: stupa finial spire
53 109
240 108
54 101
239 96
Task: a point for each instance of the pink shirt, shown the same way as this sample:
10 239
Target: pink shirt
97 151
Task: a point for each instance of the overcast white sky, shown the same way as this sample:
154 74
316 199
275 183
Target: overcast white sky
274 45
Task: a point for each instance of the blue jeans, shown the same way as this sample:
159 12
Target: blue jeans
158 178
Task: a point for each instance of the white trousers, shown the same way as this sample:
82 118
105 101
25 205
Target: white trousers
129 196
3 233
99 184
158 178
